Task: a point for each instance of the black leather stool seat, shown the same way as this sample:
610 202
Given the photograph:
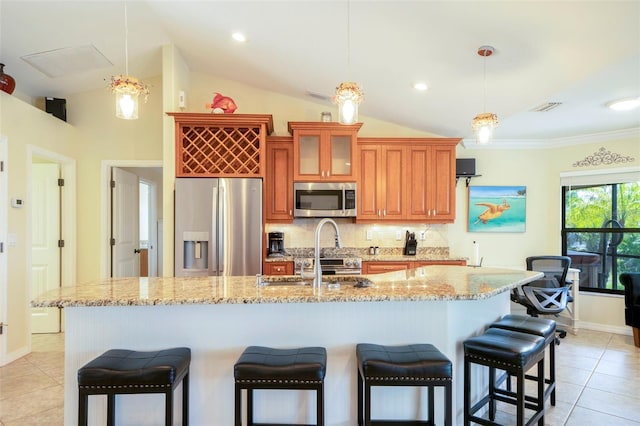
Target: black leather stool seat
261 367
515 353
405 365
122 371
258 363
544 328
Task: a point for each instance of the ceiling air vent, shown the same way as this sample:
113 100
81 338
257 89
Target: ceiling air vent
318 96
546 107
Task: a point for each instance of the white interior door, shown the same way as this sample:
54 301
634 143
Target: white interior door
45 234
125 207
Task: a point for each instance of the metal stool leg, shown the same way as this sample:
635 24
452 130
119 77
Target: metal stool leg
185 400
320 405
82 408
238 405
360 402
111 409
168 408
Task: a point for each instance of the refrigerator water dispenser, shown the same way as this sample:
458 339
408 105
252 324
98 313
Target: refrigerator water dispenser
196 250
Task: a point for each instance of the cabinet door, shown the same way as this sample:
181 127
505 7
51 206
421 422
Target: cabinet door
393 187
309 154
421 263
369 204
431 185
279 182
338 165
443 182
382 267
418 172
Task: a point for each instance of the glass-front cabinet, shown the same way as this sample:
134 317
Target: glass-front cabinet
324 151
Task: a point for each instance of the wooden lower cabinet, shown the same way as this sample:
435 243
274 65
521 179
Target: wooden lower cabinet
382 267
375 267
278 268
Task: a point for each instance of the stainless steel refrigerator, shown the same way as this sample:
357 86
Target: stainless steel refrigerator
218 226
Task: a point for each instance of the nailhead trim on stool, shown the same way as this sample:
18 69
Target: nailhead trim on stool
544 328
261 367
405 365
514 353
122 371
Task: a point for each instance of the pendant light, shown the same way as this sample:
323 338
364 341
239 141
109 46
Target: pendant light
126 88
484 123
348 93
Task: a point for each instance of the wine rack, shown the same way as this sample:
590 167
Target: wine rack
213 145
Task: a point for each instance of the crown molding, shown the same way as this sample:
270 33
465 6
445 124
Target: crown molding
555 142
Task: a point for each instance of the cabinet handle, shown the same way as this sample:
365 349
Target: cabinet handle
384 212
322 174
328 173
290 213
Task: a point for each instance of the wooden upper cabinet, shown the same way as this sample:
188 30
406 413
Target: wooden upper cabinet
278 186
324 151
381 181
432 182
213 145
406 180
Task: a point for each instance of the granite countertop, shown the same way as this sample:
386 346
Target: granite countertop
387 254
438 283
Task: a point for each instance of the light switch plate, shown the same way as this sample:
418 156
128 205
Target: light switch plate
369 235
398 235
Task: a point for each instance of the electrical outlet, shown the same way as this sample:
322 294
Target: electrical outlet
422 235
398 235
369 235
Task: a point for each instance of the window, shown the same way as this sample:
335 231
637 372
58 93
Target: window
601 227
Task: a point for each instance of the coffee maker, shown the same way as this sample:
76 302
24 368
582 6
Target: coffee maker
276 244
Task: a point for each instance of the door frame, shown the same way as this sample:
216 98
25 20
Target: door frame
4 213
68 255
105 197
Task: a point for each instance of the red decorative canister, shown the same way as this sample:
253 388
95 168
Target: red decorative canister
7 83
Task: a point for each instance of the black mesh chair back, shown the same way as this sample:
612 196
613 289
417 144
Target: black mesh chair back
552 266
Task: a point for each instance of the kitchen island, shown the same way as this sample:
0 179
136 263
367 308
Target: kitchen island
217 317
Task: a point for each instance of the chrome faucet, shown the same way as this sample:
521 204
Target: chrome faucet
317 281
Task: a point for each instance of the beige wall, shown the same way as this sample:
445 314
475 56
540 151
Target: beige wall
25 126
101 136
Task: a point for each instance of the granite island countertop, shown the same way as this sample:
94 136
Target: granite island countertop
430 283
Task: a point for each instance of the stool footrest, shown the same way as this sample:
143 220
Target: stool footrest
401 422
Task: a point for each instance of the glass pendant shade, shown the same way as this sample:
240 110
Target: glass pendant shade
348 97
127 105
483 125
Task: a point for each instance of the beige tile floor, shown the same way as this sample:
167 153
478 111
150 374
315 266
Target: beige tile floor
598 383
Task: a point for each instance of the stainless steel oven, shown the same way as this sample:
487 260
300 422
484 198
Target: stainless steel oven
330 265
324 199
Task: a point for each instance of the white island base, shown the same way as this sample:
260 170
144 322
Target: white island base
218 333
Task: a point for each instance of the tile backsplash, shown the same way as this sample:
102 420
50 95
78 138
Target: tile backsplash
301 233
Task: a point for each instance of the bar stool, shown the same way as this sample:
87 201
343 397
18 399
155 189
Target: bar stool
121 371
407 365
514 353
544 328
267 368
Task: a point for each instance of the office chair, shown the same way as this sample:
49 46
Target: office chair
550 294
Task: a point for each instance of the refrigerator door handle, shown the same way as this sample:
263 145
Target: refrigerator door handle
222 230
213 253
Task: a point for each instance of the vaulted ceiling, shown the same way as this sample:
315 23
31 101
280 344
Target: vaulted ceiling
581 54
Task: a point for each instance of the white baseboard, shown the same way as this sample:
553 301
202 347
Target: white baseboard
624 330
10 357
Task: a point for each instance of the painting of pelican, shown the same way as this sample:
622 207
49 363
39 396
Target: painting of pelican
497 208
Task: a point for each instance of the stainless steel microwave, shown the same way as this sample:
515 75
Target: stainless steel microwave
324 199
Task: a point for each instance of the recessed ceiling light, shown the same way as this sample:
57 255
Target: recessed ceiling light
239 37
420 86
624 104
